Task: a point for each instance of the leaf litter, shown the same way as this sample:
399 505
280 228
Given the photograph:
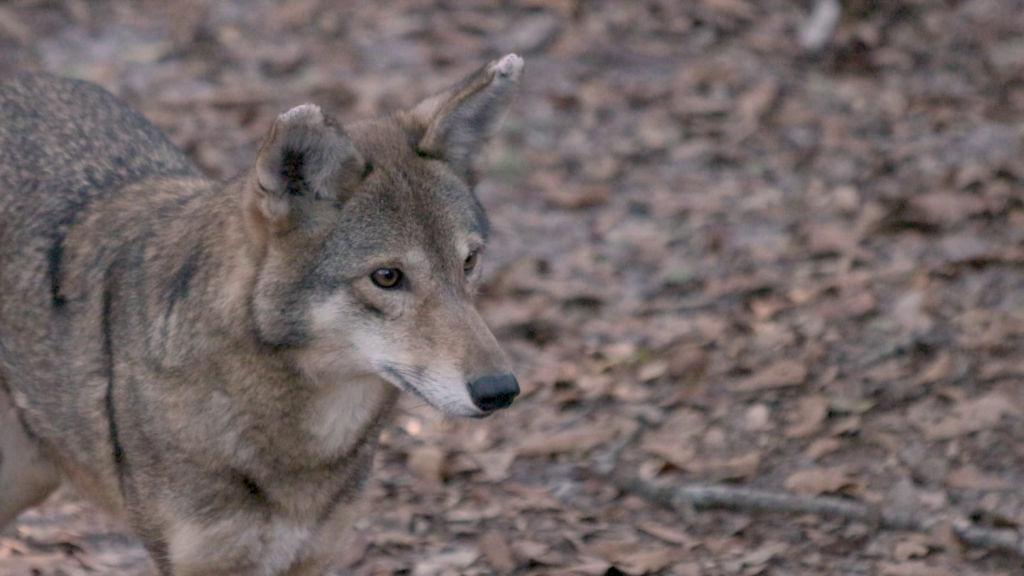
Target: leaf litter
719 256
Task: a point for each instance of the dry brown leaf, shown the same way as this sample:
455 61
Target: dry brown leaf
495 463
781 374
849 306
669 448
652 370
495 549
686 361
830 238
754 103
442 563
578 195
668 534
912 569
972 478
817 481
579 439
473 512
970 416
810 414
743 467
527 550
646 561
758 417
586 566
11 24
823 446
428 462
764 553
737 8
939 369
913 546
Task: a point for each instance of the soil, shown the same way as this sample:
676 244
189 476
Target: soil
721 256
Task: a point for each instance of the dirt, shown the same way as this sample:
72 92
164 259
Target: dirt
720 257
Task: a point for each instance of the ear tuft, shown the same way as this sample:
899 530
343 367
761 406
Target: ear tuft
510 66
305 114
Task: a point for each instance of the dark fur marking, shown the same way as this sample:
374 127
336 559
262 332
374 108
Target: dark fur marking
254 489
54 256
106 326
292 164
182 278
158 549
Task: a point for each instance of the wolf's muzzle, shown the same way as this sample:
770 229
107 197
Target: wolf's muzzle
494 391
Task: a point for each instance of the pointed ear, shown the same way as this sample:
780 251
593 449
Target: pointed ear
455 124
305 166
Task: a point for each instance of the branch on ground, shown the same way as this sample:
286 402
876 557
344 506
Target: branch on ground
688 498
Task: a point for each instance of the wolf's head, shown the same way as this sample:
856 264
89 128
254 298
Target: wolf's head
371 241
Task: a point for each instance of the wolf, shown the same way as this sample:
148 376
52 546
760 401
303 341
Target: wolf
213 361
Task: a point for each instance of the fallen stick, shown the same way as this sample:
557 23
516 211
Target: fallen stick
687 498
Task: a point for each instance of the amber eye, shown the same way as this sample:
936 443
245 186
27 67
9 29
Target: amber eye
470 262
386 277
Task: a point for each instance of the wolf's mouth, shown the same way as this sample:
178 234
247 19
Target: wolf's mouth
401 380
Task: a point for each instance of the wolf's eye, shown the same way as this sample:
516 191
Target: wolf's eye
470 262
386 277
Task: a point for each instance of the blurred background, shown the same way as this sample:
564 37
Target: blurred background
765 243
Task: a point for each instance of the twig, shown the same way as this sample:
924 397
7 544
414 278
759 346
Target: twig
688 497
817 31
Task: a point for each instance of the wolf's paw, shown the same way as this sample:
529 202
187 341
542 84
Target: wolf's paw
510 66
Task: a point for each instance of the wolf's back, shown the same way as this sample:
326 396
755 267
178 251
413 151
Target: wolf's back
65 142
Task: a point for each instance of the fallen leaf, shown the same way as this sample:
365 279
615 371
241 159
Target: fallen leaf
668 534
652 370
754 103
913 546
972 478
939 369
823 446
496 550
970 416
669 448
646 561
439 564
574 196
816 481
495 463
743 467
811 412
782 374
579 439
912 569
737 8
428 462
527 550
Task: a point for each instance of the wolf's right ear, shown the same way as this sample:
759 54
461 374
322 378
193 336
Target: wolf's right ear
456 124
306 166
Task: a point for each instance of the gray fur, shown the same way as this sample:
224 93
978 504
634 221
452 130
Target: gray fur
212 361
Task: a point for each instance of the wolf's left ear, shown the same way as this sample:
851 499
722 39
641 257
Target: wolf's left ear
305 165
455 124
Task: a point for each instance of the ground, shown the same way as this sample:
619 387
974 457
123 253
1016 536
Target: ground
721 257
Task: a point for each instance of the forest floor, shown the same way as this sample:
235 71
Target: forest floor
720 258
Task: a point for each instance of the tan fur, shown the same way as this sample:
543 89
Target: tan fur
213 362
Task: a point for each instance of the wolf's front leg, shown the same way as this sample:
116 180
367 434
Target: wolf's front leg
253 543
27 476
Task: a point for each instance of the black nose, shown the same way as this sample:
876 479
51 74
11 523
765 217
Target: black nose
493 391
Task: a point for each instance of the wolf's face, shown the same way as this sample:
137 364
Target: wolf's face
373 243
